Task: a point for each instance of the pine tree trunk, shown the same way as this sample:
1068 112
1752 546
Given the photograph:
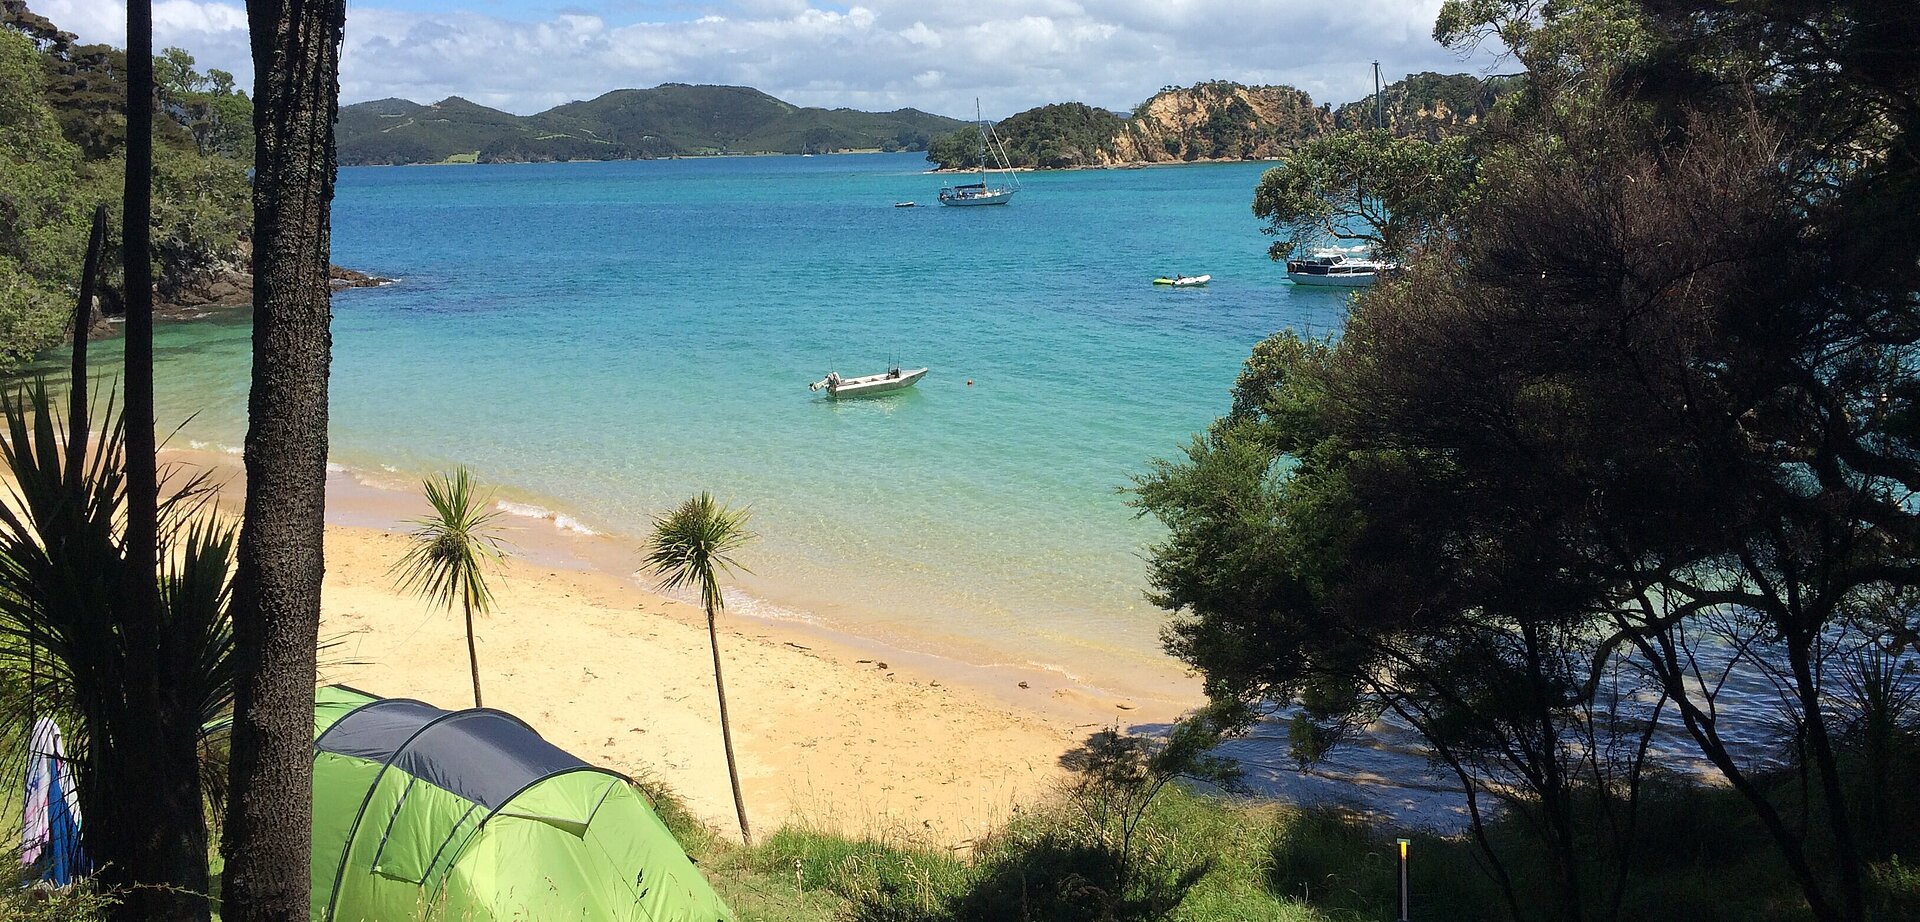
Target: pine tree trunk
296 59
151 838
473 655
726 732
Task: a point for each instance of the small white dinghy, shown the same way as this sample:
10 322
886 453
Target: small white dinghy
893 379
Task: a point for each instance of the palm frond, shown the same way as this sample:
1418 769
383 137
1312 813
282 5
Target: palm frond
454 546
694 546
195 590
61 564
64 649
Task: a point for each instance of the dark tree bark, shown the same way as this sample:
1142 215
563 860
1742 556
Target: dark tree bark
296 60
146 764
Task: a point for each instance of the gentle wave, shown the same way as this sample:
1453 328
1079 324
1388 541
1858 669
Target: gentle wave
754 606
560 520
202 445
1053 668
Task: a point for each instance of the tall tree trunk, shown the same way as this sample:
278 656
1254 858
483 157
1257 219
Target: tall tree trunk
155 836
473 655
1556 806
1837 805
726 731
1661 654
296 62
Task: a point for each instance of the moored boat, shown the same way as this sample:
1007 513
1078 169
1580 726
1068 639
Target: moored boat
980 192
1184 281
893 379
1336 267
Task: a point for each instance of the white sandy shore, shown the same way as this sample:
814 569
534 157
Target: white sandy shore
829 730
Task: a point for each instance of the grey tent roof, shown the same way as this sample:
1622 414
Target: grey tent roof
481 754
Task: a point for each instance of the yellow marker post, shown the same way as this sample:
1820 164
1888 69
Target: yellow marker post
1405 894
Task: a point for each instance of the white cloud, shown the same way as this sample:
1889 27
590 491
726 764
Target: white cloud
879 54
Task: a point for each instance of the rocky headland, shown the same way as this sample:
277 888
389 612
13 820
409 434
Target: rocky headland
1222 121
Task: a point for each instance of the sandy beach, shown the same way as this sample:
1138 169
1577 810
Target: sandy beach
829 730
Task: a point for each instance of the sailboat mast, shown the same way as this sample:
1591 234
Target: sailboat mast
981 122
1379 103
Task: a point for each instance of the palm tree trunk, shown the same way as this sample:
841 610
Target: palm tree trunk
276 599
726 731
151 841
473 656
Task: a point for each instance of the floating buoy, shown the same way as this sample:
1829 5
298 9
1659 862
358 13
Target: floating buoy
969 382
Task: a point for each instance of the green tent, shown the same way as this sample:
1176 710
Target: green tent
469 816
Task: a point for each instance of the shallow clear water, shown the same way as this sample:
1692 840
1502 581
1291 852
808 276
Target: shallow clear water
603 340
608 338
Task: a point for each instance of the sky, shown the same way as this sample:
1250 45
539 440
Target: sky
935 55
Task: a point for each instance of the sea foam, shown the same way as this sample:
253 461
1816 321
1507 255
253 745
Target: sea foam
560 520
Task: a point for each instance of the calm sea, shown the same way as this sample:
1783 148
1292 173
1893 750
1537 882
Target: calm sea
604 339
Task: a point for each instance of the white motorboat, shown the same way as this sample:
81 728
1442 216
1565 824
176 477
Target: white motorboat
1184 281
893 379
1337 267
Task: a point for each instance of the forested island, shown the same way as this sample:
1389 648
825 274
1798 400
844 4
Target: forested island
62 153
1220 120
669 120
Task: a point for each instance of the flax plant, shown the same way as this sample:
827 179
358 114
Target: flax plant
693 546
452 550
66 647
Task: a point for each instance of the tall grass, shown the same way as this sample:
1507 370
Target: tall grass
1701 859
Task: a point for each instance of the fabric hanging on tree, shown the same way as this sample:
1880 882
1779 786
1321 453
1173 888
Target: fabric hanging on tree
50 824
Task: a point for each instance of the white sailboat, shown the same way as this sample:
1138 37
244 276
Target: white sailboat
980 192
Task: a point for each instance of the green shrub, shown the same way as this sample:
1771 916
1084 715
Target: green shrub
1895 888
77 903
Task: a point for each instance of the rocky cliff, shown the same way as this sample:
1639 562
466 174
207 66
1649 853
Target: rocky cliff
1218 121
1227 121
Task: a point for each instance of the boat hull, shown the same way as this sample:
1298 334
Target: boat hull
1355 280
969 201
875 385
1192 281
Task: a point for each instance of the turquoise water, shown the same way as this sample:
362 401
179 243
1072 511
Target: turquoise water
605 339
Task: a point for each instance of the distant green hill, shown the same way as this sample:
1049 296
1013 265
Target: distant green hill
668 120
399 131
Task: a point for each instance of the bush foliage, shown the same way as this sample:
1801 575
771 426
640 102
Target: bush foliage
62 139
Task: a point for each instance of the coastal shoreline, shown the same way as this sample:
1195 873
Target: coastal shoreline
834 730
543 531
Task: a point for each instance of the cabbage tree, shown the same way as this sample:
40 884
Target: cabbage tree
452 549
693 546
